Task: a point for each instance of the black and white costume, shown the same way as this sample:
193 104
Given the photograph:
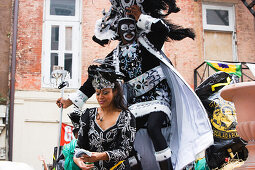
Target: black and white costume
149 77
146 81
117 141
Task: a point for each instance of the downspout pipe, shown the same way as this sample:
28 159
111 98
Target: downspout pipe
12 81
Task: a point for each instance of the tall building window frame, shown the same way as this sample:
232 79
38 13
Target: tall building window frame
61 46
219 7
48 16
231 28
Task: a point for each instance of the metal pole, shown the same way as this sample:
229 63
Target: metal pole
60 124
59 72
12 81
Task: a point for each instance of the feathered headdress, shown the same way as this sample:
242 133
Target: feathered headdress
106 28
103 77
99 82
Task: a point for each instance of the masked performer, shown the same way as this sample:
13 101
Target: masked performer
148 79
108 132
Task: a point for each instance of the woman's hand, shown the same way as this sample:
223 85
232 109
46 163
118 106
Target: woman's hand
96 156
135 11
65 103
80 163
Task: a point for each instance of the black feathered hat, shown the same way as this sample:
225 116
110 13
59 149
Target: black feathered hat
104 76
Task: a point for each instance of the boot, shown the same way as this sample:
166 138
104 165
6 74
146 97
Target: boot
166 164
138 166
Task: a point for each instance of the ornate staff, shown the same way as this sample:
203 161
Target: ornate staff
59 72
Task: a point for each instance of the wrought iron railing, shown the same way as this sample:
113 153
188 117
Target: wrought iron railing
203 71
250 6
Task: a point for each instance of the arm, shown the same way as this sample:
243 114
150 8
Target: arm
78 98
157 31
44 165
41 158
150 24
83 142
147 22
83 94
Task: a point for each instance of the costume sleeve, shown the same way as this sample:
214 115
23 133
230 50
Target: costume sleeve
156 30
150 24
125 141
83 94
83 141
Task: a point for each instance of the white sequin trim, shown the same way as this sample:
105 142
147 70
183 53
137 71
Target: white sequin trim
147 81
132 161
80 152
108 155
144 108
78 98
144 22
163 155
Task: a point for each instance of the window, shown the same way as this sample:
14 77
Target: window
61 41
62 10
219 32
62 7
216 17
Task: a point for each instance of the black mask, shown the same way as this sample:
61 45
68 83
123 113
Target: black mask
127 30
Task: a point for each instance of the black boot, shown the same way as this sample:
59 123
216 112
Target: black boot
135 163
166 164
138 166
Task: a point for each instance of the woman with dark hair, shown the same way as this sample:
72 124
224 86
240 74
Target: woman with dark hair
107 133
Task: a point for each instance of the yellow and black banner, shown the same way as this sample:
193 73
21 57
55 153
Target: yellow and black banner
224 135
223 119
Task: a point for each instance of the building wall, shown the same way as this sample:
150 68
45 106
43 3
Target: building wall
185 55
5 34
36 125
245 30
36 115
92 11
29 45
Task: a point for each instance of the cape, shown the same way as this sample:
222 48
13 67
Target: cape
190 132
